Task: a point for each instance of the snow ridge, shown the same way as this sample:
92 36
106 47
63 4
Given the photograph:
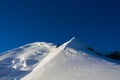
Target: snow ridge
45 61
53 53
71 61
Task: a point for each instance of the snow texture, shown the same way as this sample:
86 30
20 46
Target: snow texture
45 61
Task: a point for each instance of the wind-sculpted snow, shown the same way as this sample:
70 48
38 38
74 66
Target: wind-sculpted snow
45 61
71 61
16 63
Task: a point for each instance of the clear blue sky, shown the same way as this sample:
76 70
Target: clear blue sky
95 22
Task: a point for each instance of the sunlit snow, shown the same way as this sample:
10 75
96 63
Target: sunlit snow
45 61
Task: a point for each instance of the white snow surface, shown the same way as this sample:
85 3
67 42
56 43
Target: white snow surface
16 63
45 61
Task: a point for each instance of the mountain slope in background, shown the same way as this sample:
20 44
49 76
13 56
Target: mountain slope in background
16 63
44 61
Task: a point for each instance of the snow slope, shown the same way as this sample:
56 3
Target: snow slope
16 63
45 61
72 61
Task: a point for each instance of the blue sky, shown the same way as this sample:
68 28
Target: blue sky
95 22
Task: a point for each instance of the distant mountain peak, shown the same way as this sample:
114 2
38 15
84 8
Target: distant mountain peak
41 44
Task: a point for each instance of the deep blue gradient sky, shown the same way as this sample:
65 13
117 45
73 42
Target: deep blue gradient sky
95 22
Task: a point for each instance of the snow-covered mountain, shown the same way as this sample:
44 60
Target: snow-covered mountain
44 61
16 63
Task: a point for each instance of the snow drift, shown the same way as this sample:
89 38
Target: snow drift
45 61
16 63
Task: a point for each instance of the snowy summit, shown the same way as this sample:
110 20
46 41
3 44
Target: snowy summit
45 61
